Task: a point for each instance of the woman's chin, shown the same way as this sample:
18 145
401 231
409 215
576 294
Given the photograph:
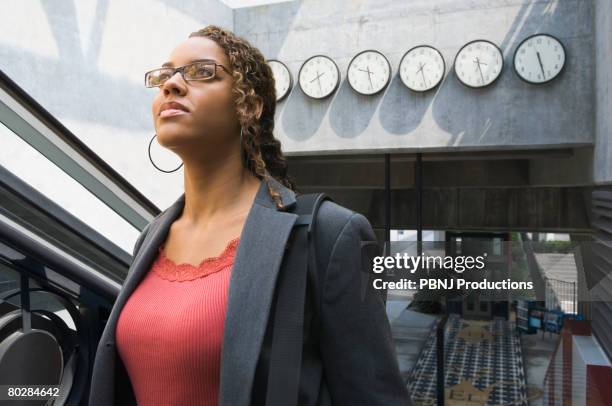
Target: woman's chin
171 139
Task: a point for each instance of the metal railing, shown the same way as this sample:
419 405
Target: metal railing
561 295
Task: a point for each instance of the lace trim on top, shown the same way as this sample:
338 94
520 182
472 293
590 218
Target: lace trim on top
170 270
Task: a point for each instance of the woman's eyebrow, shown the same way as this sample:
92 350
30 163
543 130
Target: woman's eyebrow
170 64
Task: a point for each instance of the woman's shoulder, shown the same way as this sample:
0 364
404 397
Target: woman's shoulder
144 231
334 219
333 214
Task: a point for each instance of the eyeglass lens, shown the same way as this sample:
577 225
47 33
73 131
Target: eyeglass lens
193 71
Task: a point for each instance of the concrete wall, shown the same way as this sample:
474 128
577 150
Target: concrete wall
508 114
603 89
83 60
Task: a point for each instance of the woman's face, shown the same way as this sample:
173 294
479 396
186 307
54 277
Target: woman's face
210 119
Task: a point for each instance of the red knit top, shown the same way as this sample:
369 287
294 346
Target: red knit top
170 332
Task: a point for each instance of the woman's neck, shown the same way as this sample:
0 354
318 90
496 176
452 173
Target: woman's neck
210 192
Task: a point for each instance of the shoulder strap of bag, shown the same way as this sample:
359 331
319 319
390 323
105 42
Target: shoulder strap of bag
288 328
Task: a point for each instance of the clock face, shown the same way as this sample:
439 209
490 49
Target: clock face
319 77
422 68
478 63
539 58
369 72
282 78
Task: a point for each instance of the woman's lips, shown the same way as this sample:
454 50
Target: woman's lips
171 112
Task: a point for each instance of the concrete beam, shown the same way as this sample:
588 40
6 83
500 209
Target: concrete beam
535 209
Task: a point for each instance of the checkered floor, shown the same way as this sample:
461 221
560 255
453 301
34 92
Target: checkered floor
484 365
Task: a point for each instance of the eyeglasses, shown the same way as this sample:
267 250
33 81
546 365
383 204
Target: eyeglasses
194 71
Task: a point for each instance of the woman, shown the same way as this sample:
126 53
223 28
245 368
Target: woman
192 317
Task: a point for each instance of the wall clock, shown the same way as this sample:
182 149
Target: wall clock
422 68
282 78
319 76
539 58
478 63
369 72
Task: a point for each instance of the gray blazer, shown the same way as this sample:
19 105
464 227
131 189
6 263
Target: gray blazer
352 363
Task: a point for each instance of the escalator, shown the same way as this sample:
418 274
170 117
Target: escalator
59 276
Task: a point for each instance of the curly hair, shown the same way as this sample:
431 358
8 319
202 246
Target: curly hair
253 79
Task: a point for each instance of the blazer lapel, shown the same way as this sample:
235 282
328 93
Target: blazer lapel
252 281
253 277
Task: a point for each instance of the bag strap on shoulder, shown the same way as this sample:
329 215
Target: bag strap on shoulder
288 328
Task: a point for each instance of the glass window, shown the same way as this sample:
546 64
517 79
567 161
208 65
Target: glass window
30 166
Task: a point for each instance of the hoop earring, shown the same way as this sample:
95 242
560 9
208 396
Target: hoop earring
157 167
243 157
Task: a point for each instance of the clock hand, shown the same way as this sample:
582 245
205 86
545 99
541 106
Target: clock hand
480 71
369 77
317 77
422 74
421 70
319 80
541 66
365 70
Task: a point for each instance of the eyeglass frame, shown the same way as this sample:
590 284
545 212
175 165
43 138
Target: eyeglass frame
181 69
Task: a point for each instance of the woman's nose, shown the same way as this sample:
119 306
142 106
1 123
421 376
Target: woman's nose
174 84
